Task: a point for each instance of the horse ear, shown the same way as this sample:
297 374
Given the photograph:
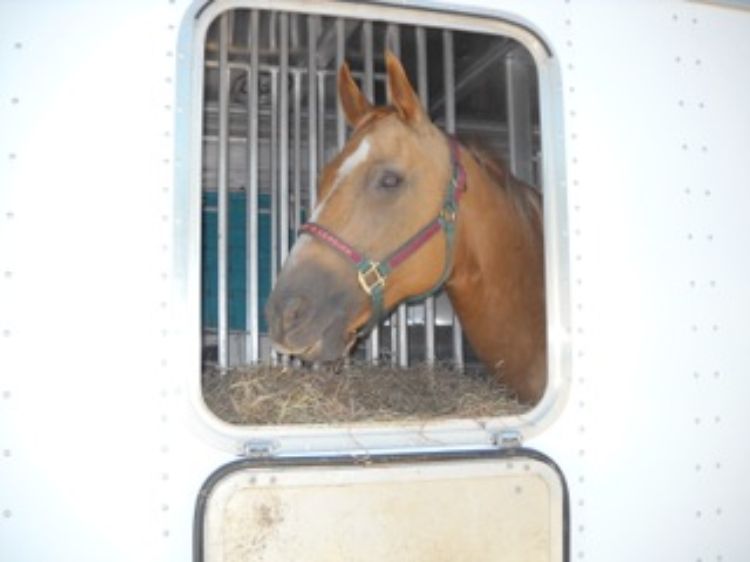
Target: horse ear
403 97
353 101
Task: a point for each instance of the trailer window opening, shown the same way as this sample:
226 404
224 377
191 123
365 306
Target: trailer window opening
270 121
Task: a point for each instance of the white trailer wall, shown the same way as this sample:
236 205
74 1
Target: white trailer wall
102 445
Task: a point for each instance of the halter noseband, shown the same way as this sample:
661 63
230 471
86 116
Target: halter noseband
371 274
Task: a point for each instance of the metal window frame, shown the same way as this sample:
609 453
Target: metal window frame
187 225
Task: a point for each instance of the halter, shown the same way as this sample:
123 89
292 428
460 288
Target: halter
371 274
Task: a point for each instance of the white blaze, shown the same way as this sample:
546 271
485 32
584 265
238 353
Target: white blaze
347 167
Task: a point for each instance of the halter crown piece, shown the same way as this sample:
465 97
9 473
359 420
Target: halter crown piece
373 275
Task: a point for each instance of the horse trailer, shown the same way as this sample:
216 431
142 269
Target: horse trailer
181 188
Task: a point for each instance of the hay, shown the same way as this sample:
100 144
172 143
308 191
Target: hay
262 395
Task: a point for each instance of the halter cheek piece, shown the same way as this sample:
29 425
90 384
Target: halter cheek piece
372 275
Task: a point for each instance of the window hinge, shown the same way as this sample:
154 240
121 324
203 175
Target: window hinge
259 448
507 439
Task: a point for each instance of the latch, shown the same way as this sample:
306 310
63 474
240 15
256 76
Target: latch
259 448
507 439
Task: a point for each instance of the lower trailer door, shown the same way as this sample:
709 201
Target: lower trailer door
499 506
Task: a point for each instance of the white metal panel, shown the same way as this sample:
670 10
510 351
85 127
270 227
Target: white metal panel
651 438
87 463
102 452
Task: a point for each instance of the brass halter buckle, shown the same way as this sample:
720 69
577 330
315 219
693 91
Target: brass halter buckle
371 278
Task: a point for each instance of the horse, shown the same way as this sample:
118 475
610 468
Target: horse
403 211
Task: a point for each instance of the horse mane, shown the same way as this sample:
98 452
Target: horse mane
526 198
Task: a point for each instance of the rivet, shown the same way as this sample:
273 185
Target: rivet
18 45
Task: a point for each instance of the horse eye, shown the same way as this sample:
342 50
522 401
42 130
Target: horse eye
390 180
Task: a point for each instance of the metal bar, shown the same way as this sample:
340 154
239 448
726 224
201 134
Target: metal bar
518 90
368 87
450 127
312 141
273 157
297 118
223 196
252 341
424 96
283 136
321 121
340 47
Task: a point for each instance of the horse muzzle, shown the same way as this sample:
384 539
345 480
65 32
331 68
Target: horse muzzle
309 312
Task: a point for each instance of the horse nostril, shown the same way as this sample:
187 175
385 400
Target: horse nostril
295 310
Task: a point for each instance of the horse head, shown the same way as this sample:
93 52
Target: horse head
384 200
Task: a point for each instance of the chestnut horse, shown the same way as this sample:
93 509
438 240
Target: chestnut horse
403 211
